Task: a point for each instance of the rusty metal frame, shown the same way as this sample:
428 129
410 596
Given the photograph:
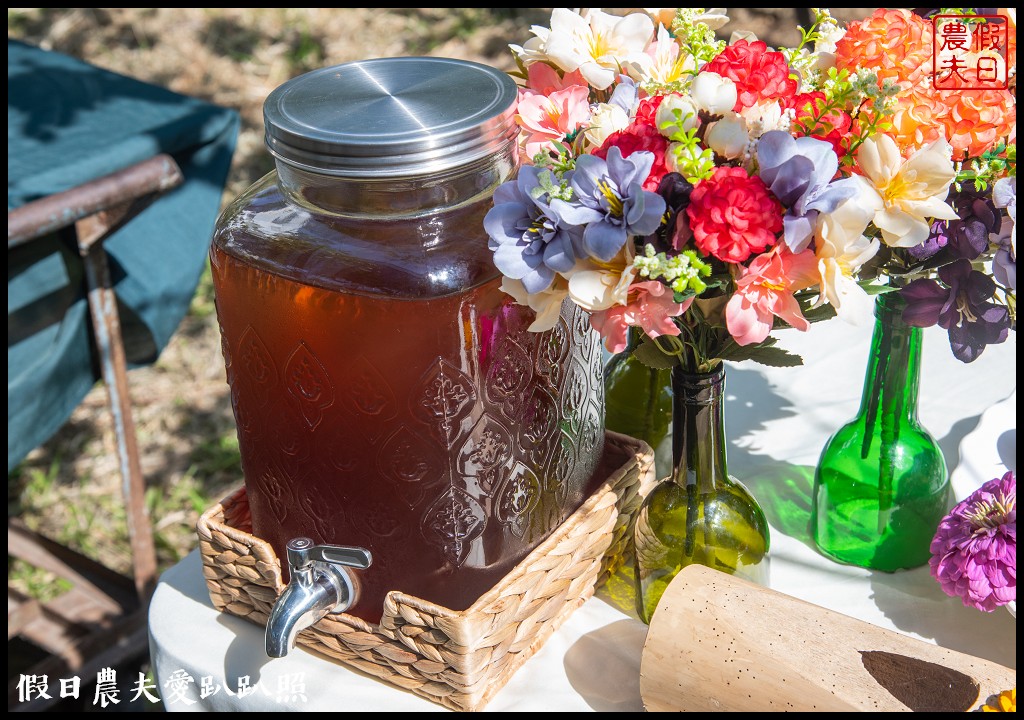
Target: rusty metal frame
104 620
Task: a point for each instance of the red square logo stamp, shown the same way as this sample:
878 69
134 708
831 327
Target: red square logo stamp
970 52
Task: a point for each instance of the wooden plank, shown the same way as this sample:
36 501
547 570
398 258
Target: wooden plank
21 610
77 607
107 588
54 634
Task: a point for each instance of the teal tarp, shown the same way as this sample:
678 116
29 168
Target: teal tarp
67 123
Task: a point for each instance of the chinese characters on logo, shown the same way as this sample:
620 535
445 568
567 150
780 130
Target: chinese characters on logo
970 52
179 687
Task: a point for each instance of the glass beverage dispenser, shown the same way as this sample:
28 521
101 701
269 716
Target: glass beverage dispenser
387 392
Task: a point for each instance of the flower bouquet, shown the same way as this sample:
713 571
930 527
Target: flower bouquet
704 193
709 192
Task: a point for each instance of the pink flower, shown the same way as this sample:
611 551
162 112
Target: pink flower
764 291
552 117
974 552
651 306
543 79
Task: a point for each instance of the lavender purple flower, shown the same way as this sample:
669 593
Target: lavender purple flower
799 172
1004 263
1004 195
529 239
960 304
974 552
610 202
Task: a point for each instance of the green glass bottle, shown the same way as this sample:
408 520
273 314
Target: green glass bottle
638 402
881 486
700 514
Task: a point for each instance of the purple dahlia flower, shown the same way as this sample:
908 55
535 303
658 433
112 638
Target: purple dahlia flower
974 552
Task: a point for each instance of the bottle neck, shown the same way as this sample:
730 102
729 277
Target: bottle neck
397 197
633 338
698 428
894 365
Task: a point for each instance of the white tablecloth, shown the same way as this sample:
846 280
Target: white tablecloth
777 422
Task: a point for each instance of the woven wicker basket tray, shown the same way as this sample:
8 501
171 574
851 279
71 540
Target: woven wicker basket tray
457 659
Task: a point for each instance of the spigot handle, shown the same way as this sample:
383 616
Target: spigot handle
302 553
354 557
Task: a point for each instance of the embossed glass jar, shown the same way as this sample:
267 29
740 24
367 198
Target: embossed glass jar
387 393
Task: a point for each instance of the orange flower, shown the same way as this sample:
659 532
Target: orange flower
978 119
895 44
918 119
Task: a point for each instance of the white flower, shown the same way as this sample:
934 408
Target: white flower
546 304
676 114
605 120
728 137
678 156
533 49
596 287
742 35
662 16
667 64
713 93
599 289
825 47
905 196
714 18
596 43
841 249
764 116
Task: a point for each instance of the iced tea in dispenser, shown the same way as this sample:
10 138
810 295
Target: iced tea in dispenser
387 393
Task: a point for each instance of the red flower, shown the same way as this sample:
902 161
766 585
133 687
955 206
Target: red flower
807 105
640 137
647 110
758 73
833 127
733 215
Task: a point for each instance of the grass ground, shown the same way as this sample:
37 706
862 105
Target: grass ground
68 488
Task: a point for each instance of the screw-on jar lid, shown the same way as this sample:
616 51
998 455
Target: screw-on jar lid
391 117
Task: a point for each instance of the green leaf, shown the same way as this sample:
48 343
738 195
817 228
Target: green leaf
775 357
764 353
820 313
653 357
877 289
738 353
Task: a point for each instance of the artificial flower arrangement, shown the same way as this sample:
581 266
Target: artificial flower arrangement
710 192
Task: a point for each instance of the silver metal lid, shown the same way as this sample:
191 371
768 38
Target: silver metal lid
391 117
